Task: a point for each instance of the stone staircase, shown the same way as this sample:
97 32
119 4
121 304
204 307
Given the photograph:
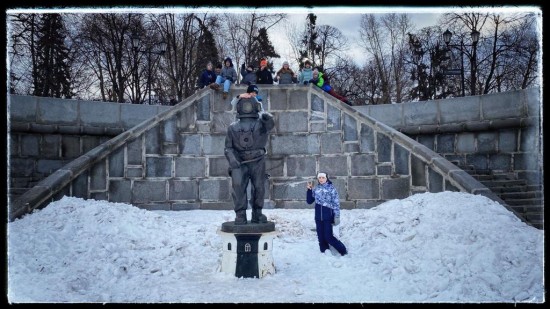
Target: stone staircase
524 198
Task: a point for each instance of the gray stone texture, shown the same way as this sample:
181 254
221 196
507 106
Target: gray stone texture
30 145
334 118
390 114
497 106
383 147
145 191
116 163
181 190
350 128
420 113
331 143
274 166
186 120
301 166
363 188
334 165
190 167
60 112
152 140
401 160
435 181
445 143
158 167
134 114
465 143
507 141
221 121
120 191
169 132
190 144
203 109
213 145
367 139
295 144
100 114
70 147
362 165
134 152
487 142
395 188
98 176
291 121
214 189
291 189
218 167
460 109
297 99
50 146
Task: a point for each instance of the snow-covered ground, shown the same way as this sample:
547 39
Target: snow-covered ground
427 248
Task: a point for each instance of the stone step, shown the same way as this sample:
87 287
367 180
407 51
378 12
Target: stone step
524 202
503 183
523 209
534 217
482 177
520 195
533 187
505 176
17 191
538 224
499 190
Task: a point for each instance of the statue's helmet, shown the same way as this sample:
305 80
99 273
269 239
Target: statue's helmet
248 108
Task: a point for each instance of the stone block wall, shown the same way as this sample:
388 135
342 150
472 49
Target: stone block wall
175 159
498 132
47 133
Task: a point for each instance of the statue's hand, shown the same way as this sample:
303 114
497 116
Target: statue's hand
266 116
234 164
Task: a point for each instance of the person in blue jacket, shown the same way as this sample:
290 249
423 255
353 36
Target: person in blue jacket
207 77
327 212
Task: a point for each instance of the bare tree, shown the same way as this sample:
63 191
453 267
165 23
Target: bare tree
332 44
23 60
108 39
385 39
239 33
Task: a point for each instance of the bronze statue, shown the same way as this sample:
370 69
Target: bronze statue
245 150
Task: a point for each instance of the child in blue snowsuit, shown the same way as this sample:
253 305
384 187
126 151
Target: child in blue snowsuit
327 212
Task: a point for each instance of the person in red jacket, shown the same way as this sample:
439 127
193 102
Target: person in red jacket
321 81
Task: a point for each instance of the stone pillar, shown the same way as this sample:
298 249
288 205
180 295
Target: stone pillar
247 249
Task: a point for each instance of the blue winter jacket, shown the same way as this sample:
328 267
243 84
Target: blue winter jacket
207 78
327 201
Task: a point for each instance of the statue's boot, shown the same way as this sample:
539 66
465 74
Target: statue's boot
258 217
240 218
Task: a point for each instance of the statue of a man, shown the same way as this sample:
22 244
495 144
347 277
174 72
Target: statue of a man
245 150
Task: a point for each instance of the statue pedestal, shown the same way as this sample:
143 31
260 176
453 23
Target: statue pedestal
247 249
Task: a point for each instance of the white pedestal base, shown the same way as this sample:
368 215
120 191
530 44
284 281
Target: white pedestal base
247 255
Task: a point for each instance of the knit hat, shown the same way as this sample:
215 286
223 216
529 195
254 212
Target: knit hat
252 88
285 62
306 60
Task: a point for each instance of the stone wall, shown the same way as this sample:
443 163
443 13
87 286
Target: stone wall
497 132
175 160
47 133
